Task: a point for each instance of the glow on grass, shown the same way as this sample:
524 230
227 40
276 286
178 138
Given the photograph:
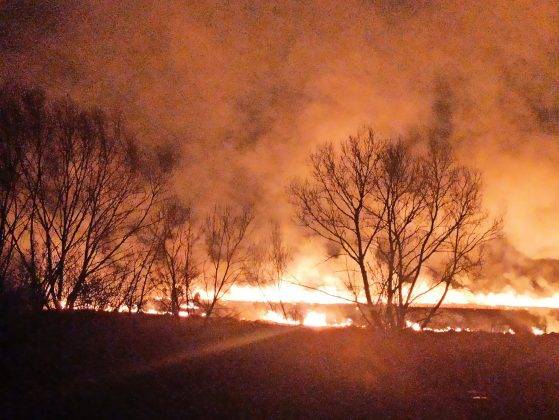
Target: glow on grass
311 319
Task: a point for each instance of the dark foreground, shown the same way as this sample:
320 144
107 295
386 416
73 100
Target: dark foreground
108 365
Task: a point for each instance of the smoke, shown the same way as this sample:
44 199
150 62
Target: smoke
244 90
506 267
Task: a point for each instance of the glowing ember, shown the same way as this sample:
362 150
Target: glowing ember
315 319
537 331
277 318
311 319
154 312
417 327
413 325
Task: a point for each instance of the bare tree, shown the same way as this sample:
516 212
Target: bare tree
226 236
134 276
267 266
338 202
435 226
176 237
279 257
24 122
89 193
13 115
402 215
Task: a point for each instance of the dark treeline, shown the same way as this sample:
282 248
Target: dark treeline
88 220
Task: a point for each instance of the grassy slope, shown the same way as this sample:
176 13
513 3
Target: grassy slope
110 365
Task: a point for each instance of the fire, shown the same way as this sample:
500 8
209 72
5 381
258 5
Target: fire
417 328
508 299
537 331
325 288
292 293
413 325
287 293
311 319
315 319
328 289
276 318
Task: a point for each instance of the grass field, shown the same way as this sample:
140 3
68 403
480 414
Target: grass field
116 365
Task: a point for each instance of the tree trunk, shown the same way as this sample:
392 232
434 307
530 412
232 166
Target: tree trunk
435 308
174 301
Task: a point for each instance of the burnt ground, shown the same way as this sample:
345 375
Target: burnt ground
115 365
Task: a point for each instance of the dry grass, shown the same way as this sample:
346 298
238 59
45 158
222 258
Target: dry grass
116 365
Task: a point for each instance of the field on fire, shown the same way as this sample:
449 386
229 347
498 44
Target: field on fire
79 364
279 209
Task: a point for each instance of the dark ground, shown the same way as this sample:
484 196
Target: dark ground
116 365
